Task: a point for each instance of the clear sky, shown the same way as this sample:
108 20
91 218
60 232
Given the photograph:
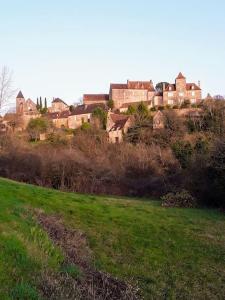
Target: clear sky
67 48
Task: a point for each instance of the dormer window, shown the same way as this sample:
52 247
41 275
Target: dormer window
193 87
170 88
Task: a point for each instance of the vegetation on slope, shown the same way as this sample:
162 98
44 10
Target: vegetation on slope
169 253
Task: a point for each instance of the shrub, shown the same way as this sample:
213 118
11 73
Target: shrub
179 199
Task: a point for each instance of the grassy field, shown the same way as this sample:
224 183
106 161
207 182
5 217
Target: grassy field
170 253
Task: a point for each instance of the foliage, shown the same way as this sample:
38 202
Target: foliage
111 104
85 126
142 109
183 152
101 115
131 110
36 127
179 199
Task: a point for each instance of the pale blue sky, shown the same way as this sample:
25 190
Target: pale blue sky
67 48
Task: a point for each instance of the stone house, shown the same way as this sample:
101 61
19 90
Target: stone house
131 92
59 119
159 120
58 105
83 114
176 94
117 126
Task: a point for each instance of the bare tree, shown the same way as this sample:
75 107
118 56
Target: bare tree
6 87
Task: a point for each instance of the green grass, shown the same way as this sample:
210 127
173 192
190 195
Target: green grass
171 253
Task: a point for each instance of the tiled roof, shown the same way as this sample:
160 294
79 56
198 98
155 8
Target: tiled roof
20 95
58 100
96 97
118 86
59 115
190 86
141 85
119 121
180 76
171 87
87 109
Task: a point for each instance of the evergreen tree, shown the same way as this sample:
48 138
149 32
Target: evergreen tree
40 103
38 106
46 106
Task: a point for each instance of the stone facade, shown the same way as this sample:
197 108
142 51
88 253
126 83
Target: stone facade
58 105
95 98
181 91
117 125
124 95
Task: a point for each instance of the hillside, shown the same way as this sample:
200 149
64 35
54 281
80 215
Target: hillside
167 253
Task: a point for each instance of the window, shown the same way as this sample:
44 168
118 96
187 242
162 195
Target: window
181 94
170 102
170 88
193 93
193 101
170 94
193 87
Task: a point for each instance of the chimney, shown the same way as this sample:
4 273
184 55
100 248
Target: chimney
199 83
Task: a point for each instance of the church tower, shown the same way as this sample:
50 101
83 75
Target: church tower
20 103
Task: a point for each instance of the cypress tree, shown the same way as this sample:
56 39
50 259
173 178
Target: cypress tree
46 106
37 104
40 103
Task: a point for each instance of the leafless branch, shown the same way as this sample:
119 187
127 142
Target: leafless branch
6 86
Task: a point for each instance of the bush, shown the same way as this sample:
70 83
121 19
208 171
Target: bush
179 199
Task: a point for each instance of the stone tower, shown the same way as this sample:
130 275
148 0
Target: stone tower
20 103
181 83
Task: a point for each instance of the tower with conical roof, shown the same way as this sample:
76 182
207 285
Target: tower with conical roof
20 103
181 88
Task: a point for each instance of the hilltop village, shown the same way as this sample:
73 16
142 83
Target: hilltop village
116 104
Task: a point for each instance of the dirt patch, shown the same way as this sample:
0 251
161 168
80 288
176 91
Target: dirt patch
93 284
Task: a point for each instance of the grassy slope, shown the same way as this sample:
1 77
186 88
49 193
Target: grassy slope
172 253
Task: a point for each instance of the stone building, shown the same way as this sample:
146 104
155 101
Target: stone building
117 125
83 114
131 92
58 105
134 92
59 119
159 120
176 94
24 107
95 98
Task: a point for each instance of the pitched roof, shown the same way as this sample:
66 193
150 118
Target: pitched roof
58 100
118 86
87 109
192 86
59 115
180 76
119 121
20 95
96 97
141 85
171 87
189 87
